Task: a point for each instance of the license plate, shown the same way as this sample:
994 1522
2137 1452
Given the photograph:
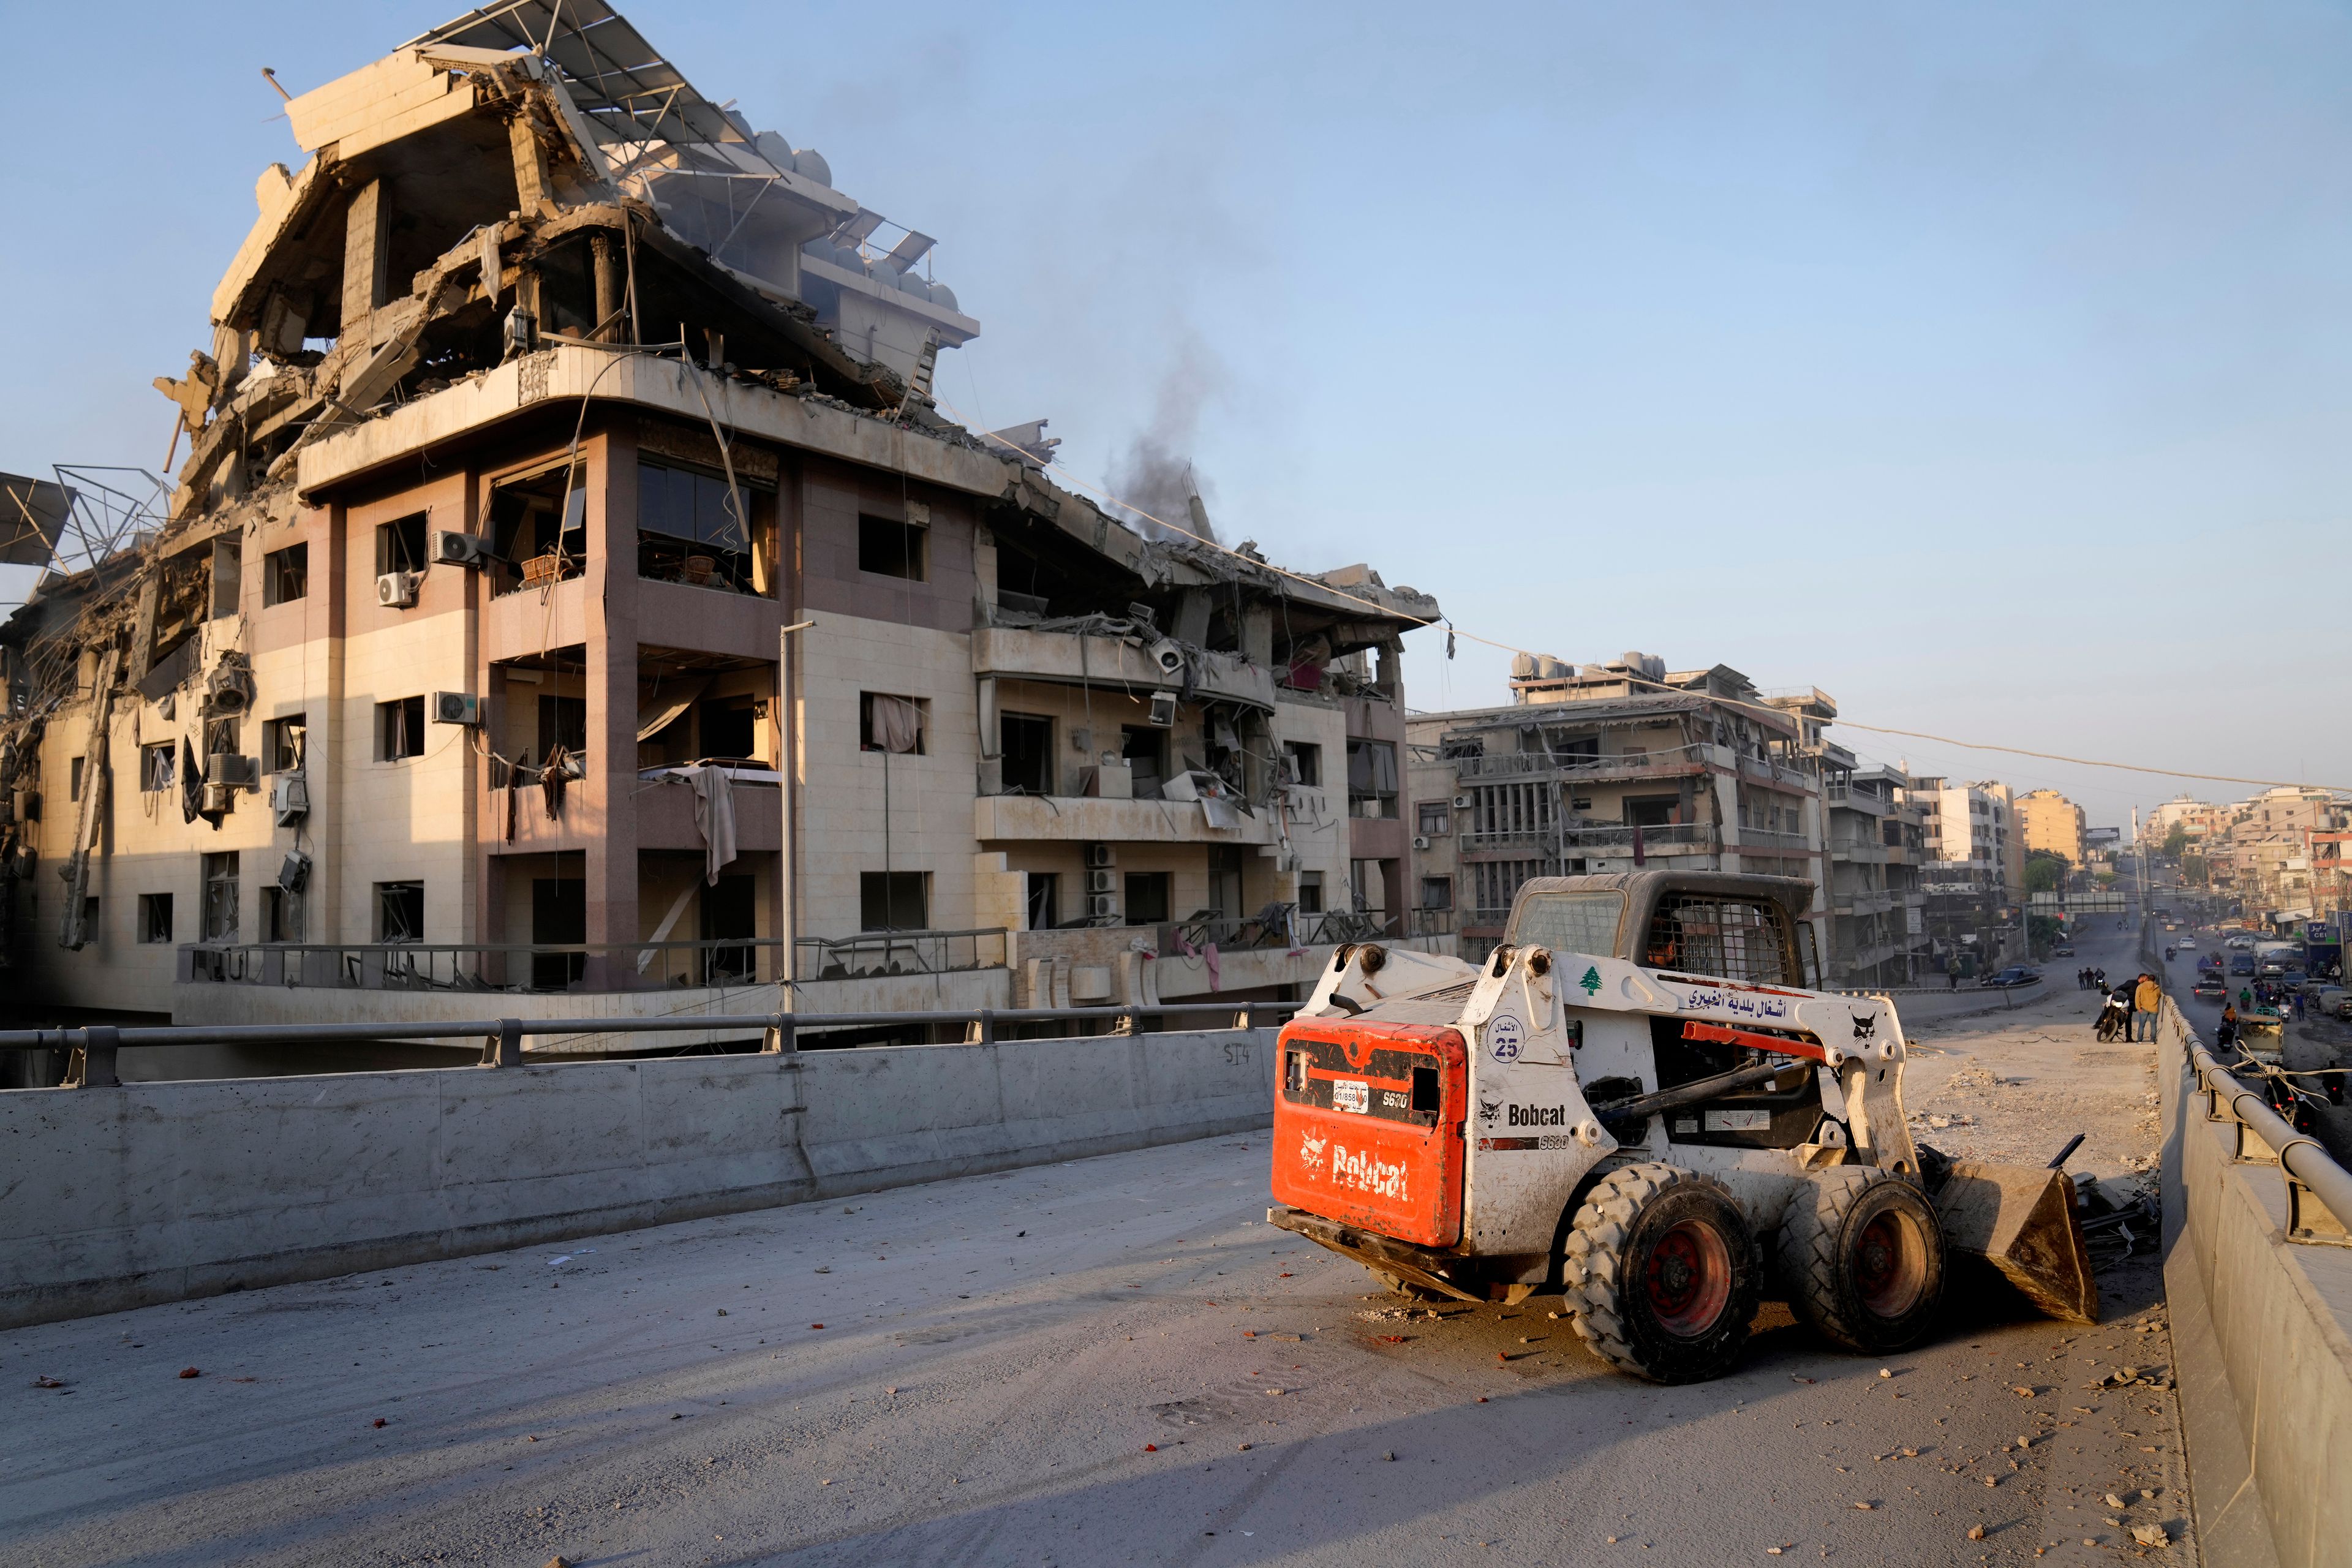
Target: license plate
1739 1121
1351 1094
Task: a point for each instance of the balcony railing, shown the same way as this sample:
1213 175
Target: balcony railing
1524 764
1602 839
1274 928
555 968
1771 838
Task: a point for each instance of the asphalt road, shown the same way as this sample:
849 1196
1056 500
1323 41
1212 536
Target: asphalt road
2310 1043
1110 1360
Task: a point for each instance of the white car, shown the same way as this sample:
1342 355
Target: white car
2187 944
2242 944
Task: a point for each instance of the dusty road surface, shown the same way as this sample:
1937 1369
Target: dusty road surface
1112 1361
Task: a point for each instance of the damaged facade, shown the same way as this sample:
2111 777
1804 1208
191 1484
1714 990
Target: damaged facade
1622 763
547 405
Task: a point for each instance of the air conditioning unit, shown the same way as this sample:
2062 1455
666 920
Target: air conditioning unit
295 874
397 590
1102 906
448 547
1461 802
1102 881
232 772
290 798
1169 655
1099 855
1163 710
457 708
217 797
1420 841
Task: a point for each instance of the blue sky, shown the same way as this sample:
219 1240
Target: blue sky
1984 365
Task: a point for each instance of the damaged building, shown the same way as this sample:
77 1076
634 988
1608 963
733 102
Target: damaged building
572 592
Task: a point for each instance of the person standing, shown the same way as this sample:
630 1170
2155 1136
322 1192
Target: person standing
2147 997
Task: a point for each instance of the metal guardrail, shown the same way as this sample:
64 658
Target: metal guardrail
554 968
2263 1137
94 1046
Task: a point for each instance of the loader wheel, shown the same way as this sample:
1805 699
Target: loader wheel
1660 1274
1862 1256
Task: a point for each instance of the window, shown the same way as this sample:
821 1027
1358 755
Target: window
894 900
1571 923
400 546
400 728
155 917
1146 898
220 896
400 911
1045 901
229 575
286 575
73 788
559 915
1310 892
1650 810
1740 939
1437 892
562 721
281 915
1306 763
539 528
887 723
1435 819
731 912
1144 747
729 729
892 549
1026 743
159 767
283 743
692 528
220 737
1372 778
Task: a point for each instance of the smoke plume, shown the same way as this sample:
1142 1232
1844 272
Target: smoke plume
1155 474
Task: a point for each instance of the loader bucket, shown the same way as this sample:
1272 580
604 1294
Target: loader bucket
2021 1220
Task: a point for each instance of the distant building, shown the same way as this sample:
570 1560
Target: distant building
2048 820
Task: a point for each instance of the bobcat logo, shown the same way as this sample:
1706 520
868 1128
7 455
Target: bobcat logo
1310 1153
1488 1110
1865 1026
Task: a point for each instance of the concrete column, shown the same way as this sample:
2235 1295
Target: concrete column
339 744
605 252
605 800
366 230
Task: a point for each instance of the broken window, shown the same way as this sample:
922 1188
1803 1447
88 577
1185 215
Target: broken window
281 915
894 900
563 721
1310 892
887 723
1650 810
1437 892
286 575
1026 743
1147 901
220 738
400 911
159 767
690 529
888 548
1043 904
155 917
539 528
283 743
74 773
1144 747
730 914
400 728
228 572
730 729
1306 759
400 545
1372 778
1435 819
220 896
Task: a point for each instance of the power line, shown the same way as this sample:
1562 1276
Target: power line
1453 630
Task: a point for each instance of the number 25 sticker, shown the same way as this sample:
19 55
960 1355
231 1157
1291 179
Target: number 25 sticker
1504 1038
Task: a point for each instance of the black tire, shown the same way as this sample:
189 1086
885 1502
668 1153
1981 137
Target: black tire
1861 1258
1660 1274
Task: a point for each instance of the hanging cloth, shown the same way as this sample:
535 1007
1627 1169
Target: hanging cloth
714 816
897 724
550 782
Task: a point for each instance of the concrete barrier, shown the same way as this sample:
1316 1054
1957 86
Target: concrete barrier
2262 1337
159 1192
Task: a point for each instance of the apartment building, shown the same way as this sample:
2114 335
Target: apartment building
2197 818
1604 767
2048 821
1966 880
1878 935
608 620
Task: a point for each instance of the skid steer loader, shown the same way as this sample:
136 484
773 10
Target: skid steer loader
1637 1101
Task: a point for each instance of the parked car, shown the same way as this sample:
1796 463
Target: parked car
2242 944
2015 974
2293 979
2329 1000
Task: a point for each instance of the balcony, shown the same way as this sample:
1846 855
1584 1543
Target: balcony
1861 852
1089 819
1674 838
1071 659
1771 838
1666 762
1844 798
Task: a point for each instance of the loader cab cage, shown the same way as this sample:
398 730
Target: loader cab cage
1727 924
